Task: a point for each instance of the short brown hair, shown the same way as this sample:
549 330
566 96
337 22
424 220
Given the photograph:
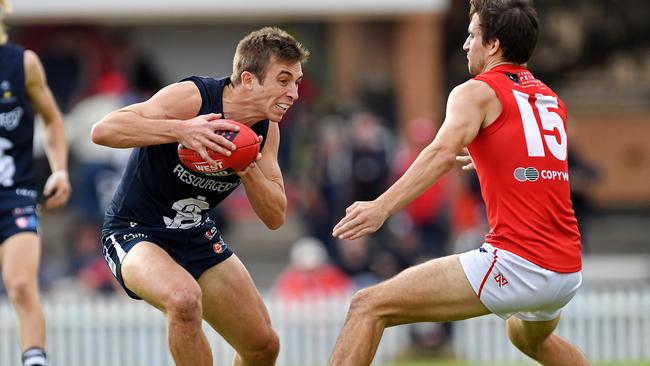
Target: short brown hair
513 22
254 52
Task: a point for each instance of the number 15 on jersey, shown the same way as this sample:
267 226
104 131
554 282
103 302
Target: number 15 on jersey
549 121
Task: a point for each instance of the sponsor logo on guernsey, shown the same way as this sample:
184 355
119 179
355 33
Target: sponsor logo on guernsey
202 182
524 79
10 120
513 77
531 174
6 96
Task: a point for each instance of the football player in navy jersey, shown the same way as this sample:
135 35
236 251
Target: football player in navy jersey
161 238
24 92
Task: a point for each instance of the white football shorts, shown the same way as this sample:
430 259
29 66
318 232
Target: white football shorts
508 285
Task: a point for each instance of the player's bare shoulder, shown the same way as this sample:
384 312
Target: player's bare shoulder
31 59
34 73
481 95
477 90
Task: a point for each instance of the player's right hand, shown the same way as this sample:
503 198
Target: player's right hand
199 134
361 218
57 189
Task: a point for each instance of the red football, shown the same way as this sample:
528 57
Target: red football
248 146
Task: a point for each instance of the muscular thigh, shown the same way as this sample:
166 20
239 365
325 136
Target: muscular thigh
149 272
20 256
436 290
232 305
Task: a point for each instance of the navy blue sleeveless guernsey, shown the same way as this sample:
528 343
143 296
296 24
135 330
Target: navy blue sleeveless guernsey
156 190
16 123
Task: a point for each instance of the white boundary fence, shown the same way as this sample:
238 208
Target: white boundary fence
125 332
608 324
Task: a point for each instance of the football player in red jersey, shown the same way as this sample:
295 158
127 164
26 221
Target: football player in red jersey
529 267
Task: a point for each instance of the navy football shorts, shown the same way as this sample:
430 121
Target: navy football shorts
18 213
196 249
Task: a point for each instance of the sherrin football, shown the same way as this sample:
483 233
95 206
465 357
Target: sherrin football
248 146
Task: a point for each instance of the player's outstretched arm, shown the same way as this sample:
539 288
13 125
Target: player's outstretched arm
169 116
264 184
464 116
57 187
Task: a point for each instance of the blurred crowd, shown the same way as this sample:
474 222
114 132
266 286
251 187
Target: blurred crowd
331 157
331 154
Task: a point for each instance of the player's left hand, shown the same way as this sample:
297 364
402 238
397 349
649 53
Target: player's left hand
57 189
465 159
361 218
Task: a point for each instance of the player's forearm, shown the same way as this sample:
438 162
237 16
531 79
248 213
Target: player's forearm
267 198
55 145
123 129
430 165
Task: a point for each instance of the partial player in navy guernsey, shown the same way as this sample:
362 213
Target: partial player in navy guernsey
160 239
24 92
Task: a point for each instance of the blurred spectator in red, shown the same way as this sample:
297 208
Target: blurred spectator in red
87 264
428 214
468 218
310 274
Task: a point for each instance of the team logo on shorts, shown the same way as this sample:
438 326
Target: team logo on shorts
210 233
132 236
21 211
219 247
26 222
501 281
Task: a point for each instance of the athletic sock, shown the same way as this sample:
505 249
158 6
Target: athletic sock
34 356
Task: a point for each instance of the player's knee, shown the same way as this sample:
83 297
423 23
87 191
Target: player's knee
21 291
184 305
519 340
263 350
272 347
362 303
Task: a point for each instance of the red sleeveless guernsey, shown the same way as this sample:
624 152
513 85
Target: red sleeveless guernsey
521 161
